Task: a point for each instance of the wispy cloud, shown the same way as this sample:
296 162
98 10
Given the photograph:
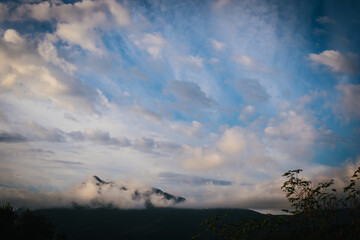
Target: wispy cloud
336 61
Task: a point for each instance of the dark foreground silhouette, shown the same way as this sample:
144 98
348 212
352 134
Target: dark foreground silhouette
154 223
25 224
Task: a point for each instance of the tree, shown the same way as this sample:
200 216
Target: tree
318 212
25 225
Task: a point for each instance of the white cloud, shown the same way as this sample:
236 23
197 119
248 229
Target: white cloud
83 33
119 12
197 158
40 11
192 130
91 193
232 141
152 43
27 74
291 134
48 51
194 61
251 64
12 36
77 23
336 62
245 61
237 146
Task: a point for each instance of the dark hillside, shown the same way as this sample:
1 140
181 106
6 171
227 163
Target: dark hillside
156 223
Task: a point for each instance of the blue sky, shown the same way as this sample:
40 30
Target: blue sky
226 95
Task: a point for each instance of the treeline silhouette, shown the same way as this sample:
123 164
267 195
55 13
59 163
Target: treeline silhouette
26 224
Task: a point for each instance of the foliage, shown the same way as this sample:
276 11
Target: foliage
318 212
25 225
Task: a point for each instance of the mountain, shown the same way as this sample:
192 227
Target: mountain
95 192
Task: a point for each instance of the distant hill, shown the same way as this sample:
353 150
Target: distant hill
153 223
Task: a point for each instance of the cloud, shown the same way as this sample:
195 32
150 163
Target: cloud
247 112
78 23
70 116
349 105
232 141
200 158
3 12
218 46
147 113
83 32
194 61
292 134
98 137
168 147
325 19
48 52
245 61
220 3
120 13
12 36
236 146
94 192
31 131
36 132
104 138
251 64
11 137
336 62
214 60
69 163
144 144
252 91
189 94
192 130
170 177
201 192
152 43
28 74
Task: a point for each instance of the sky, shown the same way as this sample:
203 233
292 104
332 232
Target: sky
211 100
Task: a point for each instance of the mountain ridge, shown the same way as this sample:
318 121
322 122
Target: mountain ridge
100 193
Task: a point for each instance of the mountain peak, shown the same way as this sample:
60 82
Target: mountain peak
98 179
102 193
